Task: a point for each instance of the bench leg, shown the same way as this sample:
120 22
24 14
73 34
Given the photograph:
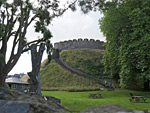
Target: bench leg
137 100
130 99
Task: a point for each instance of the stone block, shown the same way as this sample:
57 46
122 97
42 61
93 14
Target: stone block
13 107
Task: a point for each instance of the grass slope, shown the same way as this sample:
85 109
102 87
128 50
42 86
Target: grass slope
78 101
53 77
85 60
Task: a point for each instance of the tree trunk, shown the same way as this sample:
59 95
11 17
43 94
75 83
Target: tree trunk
2 76
36 57
146 84
2 80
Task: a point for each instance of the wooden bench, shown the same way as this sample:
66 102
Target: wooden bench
95 96
138 98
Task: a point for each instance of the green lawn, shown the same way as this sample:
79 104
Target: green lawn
78 101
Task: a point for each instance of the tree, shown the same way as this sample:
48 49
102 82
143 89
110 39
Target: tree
18 15
15 18
126 27
110 26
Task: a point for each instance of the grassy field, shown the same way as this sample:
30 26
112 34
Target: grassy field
78 101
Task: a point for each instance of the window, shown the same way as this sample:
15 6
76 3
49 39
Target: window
22 86
14 86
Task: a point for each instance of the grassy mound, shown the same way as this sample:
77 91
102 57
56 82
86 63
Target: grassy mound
53 77
85 60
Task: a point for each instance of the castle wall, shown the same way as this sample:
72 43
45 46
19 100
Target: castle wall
79 44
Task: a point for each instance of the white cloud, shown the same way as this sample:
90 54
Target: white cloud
76 24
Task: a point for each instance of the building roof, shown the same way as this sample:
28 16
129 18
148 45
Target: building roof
15 80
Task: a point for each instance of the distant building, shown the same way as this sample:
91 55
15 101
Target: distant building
19 75
17 84
16 75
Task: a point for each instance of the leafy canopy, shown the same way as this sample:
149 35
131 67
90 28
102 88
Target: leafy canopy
126 27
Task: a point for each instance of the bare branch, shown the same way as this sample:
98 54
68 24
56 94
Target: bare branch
25 50
35 41
3 16
32 19
11 34
12 21
18 32
10 64
7 14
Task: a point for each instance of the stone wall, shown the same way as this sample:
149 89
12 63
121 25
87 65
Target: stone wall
79 44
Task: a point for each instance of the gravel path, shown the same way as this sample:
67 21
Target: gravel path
110 108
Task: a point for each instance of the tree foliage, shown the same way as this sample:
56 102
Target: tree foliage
126 27
89 5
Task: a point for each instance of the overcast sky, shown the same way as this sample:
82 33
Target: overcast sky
72 25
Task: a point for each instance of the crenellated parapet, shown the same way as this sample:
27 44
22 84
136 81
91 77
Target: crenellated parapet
79 44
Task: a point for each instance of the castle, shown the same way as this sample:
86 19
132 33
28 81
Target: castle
76 44
79 44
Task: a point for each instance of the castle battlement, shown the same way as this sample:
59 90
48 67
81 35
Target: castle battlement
79 44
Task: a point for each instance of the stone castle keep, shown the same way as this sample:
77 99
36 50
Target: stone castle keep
80 44
76 44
